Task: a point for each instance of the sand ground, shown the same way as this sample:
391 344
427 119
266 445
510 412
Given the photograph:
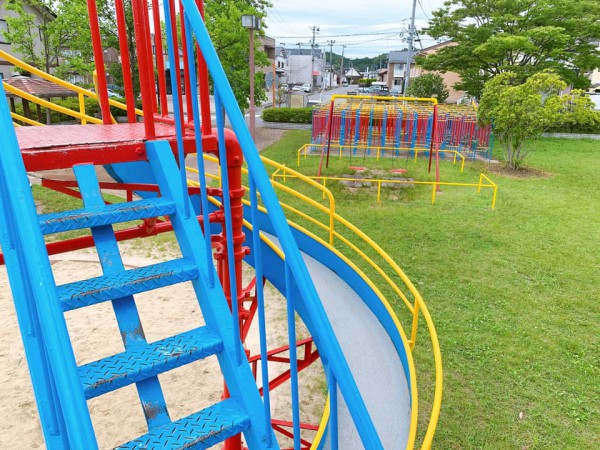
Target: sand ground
117 417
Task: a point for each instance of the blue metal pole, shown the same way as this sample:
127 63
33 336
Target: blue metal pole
175 76
260 300
291 322
199 151
235 313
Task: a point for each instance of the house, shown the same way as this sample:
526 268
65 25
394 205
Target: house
300 64
281 65
396 71
450 78
352 75
40 14
267 45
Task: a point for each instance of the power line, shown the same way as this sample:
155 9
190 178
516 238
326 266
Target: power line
373 33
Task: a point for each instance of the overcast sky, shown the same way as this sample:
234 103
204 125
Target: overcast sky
367 27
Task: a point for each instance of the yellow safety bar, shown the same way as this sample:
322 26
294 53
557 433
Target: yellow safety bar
81 92
50 105
375 97
417 309
25 120
380 151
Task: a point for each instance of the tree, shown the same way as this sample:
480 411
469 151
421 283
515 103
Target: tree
429 85
521 112
58 34
232 41
490 37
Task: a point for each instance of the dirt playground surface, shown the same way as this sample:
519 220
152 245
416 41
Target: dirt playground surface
117 417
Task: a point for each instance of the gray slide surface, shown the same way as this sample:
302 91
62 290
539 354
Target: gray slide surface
372 357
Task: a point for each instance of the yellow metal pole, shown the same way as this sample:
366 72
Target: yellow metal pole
378 191
434 186
494 197
415 325
479 185
82 107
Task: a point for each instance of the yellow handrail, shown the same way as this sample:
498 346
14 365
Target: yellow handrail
416 309
50 105
82 92
25 119
375 97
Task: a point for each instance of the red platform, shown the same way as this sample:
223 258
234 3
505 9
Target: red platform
63 146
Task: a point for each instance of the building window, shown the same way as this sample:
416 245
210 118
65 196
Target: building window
399 68
1 76
3 29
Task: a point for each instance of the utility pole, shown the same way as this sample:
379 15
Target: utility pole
342 65
331 63
315 29
411 40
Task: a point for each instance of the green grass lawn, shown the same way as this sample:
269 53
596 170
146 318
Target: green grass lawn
514 292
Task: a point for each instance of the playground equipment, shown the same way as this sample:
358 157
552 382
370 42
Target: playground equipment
402 123
343 309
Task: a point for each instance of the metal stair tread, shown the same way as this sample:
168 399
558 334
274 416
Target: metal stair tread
129 282
198 431
147 360
105 215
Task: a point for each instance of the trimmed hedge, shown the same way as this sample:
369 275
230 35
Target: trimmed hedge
588 123
92 108
288 115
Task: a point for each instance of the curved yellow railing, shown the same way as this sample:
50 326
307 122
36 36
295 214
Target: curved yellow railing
417 308
82 93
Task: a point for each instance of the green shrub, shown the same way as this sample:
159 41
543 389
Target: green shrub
366 82
586 121
288 115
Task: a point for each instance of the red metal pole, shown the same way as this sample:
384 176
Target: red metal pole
145 79
176 69
186 70
149 59
125 62
99 62
160 63
203 82
326 140
328 135
235 160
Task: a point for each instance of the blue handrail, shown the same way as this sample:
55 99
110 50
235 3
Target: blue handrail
173 70
260 300
199 149
28 236
326 340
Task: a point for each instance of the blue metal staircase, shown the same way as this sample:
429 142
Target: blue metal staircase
61 387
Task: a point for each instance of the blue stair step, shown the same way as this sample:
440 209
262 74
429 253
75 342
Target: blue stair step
105 215
129 282
198 431
148 360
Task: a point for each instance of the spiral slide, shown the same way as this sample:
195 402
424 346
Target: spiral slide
366 332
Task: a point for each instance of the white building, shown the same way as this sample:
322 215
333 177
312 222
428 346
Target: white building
41 14
300 64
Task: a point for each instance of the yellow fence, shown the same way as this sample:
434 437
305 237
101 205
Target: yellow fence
344 237
484 181
380 152
82 94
